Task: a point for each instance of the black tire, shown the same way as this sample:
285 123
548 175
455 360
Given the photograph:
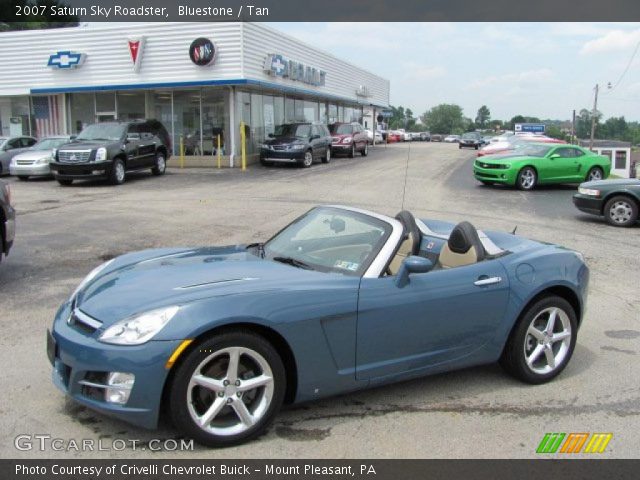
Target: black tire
179 393
64 182
621 211
365 151
513 358
459 147
308 159
476 147
594 174
527 179
117 176
266 163
327 156
161 164
24 178
352 151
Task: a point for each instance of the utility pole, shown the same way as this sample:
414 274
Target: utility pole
573 127
593 116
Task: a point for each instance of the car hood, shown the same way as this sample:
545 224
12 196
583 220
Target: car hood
84 145
619 182
143 281
284 141
33 155
507 157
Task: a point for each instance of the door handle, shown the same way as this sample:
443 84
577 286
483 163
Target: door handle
482 282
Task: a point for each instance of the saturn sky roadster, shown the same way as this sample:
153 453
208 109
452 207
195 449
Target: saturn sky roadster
341 299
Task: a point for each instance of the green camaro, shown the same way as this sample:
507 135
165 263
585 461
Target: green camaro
542 163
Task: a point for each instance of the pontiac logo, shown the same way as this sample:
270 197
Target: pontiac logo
136 48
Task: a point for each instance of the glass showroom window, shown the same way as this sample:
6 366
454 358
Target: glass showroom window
186 114
14 116
131 106
311 111
298 110
159 107
333 114
215 120
82 109
289 110
255 127
106 106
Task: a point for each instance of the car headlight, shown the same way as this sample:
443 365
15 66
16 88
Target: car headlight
264 146
101 154
297 146
43 160
346 140
138 329
54 152
592 192
90 277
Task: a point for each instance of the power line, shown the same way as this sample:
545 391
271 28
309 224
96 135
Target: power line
626 69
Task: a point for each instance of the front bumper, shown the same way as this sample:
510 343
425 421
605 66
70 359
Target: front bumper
497 175
77 355
71 171
588 204
9 230
286 156
42 169
470 145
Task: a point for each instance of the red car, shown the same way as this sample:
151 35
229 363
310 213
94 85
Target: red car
349 138
394 136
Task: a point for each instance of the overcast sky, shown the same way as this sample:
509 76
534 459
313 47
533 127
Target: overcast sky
538 69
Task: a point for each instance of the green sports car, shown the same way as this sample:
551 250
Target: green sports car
542 163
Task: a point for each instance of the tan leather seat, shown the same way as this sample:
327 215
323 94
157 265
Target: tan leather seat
410 243
463 248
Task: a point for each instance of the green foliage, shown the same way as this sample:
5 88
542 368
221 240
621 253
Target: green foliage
446 119
483 117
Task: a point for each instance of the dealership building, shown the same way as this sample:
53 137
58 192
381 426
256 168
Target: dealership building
201 80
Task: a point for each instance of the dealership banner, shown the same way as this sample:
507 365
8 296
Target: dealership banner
319 469
326 10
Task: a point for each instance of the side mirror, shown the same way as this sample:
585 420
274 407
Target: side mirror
412 264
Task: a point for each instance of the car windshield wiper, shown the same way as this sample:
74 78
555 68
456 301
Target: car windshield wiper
294 262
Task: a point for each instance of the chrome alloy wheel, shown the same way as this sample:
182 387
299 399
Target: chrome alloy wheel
119 172
308 159
161 163
230 391
527 179
548 340
594 174
620 212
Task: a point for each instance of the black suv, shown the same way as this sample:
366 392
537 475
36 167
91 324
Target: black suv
7 219
299 143
108 150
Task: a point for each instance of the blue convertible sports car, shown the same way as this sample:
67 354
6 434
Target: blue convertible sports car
339 300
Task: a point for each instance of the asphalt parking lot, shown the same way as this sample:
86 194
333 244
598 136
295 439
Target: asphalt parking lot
64 232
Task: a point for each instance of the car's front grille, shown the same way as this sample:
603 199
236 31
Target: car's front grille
279 148
74 156
25 162
496 166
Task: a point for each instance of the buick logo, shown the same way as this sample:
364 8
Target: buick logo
202 52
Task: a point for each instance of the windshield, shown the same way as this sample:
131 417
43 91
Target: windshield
49 143
342 129
469 136
102 131
330 240
532 150
293 130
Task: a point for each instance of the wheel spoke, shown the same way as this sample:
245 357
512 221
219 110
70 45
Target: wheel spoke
551 359
243 412
208 383
535 354
255 382
535 333
212 411
560 336
551 323
232 369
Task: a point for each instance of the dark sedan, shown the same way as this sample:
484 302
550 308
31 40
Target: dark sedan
299 143
7 219
617 200
471 140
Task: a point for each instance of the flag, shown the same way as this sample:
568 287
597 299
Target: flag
46 114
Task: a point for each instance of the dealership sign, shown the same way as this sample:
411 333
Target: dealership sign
529 127
279 66
66 59
136 49
202 52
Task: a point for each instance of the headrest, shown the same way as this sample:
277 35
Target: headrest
463 237
411 229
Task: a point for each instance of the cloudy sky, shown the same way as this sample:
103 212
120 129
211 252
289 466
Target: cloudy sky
538 69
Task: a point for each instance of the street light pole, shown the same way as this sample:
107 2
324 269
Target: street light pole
593 116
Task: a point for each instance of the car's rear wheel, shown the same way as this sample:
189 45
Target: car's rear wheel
527 179
228 389
365 151
24 178
542 341
307 161
161 164
327 156
118 173
594 174
64 182
621 211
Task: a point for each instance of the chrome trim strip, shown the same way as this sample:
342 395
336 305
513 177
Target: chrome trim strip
216 282
87 383
169 255
86 319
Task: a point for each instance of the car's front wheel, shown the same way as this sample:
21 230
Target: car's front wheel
527 179
64 182
307 161
621 211
228 389
594 174
161 164
542 341
117 172
24 178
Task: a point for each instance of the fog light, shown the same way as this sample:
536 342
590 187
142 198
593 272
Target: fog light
503 176
120 385
96 172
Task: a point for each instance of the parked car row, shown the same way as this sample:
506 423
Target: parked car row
10 147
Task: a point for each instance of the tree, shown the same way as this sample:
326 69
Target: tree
583 123
483 116
615 128
444 119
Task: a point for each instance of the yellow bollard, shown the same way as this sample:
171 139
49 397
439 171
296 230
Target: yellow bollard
219 157
181 152
243 146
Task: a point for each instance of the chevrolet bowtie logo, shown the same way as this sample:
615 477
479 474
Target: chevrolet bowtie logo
66 59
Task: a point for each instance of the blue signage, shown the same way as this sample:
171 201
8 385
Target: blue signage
280 66
529 127
386 113
66 59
